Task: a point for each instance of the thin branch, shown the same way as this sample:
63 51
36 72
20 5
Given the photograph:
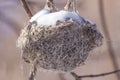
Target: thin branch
24 4
75 5
33 71
93 76
68 5
107 35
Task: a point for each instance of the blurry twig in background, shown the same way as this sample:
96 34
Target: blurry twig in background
92 76
29 13
107 35
12 23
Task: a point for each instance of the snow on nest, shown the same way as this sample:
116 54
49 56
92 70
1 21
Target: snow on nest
39 14
52 18
91 22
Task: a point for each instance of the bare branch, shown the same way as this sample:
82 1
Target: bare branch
92 76
24 4
107 35
33 71
67 6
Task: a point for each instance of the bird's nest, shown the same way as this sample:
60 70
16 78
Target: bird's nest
61 47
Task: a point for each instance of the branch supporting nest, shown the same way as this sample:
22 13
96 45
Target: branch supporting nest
68 5
33 70
25 6
33 73
77 77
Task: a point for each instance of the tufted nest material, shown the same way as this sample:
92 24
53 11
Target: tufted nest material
62 47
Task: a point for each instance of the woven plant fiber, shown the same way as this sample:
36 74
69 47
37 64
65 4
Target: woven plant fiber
61 47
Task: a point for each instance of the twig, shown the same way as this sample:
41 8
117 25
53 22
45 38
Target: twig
33 73
92 76
75 6
34 70
68 5
24 4
107 35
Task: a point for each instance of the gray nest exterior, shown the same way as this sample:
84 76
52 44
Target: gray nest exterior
62 47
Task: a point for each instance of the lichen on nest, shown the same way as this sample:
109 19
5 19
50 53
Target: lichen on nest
62 47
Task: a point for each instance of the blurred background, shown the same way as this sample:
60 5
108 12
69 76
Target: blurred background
105 13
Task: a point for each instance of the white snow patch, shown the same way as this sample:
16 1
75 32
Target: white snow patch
39 14
91 22
52 18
